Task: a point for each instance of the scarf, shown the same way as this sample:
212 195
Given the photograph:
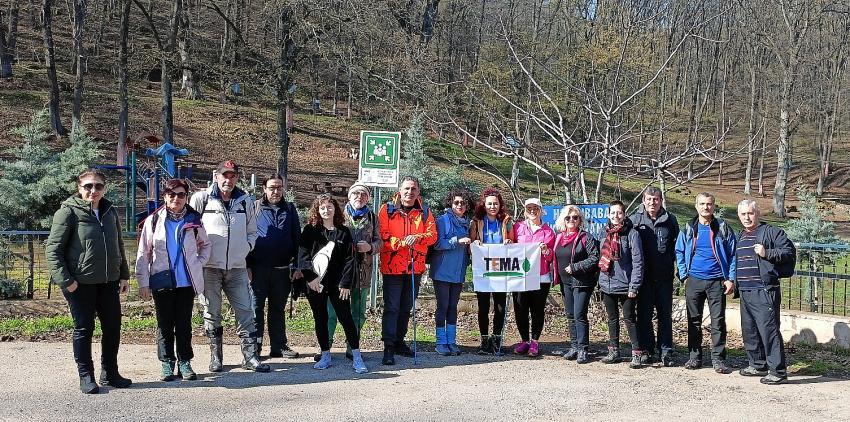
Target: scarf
355 216
610 247
176 216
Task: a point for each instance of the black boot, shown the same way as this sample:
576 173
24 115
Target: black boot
389 355
251 361
109 376
496 344
87 383
485 348
216 349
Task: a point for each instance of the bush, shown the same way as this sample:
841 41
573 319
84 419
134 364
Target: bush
11 289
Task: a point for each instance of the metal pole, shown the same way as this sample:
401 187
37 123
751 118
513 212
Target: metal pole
134 176
376 260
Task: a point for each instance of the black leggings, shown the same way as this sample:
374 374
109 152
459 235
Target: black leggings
533 302
448 294
319 305
500 299
612 305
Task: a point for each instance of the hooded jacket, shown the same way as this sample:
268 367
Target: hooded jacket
82 247
659 243
722 244
626 274
395 226
278 233
232 228
450 259
152 254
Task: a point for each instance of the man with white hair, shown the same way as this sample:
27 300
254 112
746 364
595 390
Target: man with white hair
764 255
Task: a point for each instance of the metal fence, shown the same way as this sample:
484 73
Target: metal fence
821 282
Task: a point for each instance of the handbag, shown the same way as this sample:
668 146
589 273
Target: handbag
162 280
322 259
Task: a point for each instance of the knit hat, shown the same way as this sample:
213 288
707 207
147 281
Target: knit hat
358 185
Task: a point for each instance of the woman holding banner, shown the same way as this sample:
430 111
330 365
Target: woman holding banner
620 277
533 230
576 269
448 267
491 224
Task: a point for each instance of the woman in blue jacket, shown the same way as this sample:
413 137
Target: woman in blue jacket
448 267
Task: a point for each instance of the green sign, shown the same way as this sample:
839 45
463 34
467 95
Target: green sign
379 155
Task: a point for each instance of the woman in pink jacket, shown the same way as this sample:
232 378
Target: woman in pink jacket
173 248
533 230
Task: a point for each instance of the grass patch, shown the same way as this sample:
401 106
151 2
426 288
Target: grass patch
814 367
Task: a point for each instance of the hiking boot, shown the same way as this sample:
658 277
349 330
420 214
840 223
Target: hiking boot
667 360
402 349
646 358
286 352
534 349
389 358
249 354
167 372
581 357
637 360
751 371
613 355
496 345
720 367
112 378
571 354
485 348
773 379
184 370
216 349
521 348
693 364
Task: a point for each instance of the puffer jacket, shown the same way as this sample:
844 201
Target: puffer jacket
585 260
723 244
152 255
364 229
523 234
82 248
232 229
626 274
394 227
450 259
659 243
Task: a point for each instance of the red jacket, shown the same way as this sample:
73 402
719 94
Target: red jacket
394 227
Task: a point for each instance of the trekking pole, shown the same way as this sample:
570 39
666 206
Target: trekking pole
508 301
413 292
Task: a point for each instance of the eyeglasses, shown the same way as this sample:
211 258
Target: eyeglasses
274 187
459 203
95 186
181 195
572 217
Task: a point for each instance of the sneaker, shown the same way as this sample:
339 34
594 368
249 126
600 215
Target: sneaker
358 364
521 348
167 372
667 360
324 362
403 349
720 367
571 354
288 353
184 369
581 357
534 349
613 355
693 364
751 371
637 360
773 379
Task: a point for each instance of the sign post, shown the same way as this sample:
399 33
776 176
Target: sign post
379 158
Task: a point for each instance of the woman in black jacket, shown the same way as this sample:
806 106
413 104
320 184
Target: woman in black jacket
576 259
325 224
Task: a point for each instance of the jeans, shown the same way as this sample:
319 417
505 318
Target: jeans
359 295
319 305
448 295
612 305
760 330
174 308
234 283
86 302
272 284
500 300
576 305
398 301
533 302
656 296
696 293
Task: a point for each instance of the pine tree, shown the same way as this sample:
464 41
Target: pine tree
812 226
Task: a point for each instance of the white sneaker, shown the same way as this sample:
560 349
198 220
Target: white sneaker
359 365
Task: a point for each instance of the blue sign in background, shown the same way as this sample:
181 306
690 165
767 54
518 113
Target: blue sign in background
595 217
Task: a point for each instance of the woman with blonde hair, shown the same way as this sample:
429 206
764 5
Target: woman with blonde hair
576 268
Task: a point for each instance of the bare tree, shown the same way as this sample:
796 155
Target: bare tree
50 59
8 39
80 57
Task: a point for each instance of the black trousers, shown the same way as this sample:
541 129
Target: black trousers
448 295
697 291
500 300
612 309
760 330
576 306
88 301
319 305
533 302
275 285
398 301
174 308
656 298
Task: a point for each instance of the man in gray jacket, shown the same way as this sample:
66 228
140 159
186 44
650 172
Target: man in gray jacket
228 217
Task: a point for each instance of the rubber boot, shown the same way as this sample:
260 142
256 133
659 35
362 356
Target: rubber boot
451 338
613 355
486 347
216 349
249 353
442 344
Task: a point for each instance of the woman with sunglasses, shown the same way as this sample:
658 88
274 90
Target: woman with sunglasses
576 269
448 267
533 230
173 247
85 254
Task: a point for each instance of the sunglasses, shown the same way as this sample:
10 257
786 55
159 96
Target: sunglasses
459 203
572 217
95 186
181 195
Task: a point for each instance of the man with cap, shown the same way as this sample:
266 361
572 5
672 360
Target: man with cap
363 223
764 255
228 217
270 263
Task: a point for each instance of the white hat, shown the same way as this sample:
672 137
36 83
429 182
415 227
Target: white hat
533 201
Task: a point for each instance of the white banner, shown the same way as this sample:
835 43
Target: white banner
506 268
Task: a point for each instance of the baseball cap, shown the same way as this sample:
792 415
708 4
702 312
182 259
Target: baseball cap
533 201
227 166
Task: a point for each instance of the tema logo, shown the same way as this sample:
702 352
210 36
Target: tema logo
506 267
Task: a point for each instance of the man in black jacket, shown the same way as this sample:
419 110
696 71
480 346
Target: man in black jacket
269 263
764 255
658 231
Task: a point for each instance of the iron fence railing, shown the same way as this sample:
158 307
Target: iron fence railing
821 282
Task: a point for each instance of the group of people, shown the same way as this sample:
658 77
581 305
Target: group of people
221 241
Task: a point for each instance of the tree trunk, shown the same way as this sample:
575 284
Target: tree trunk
8 43
47 27
167 103
763 154
284 80
782 155
184 47
123 82
80 7
751 133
